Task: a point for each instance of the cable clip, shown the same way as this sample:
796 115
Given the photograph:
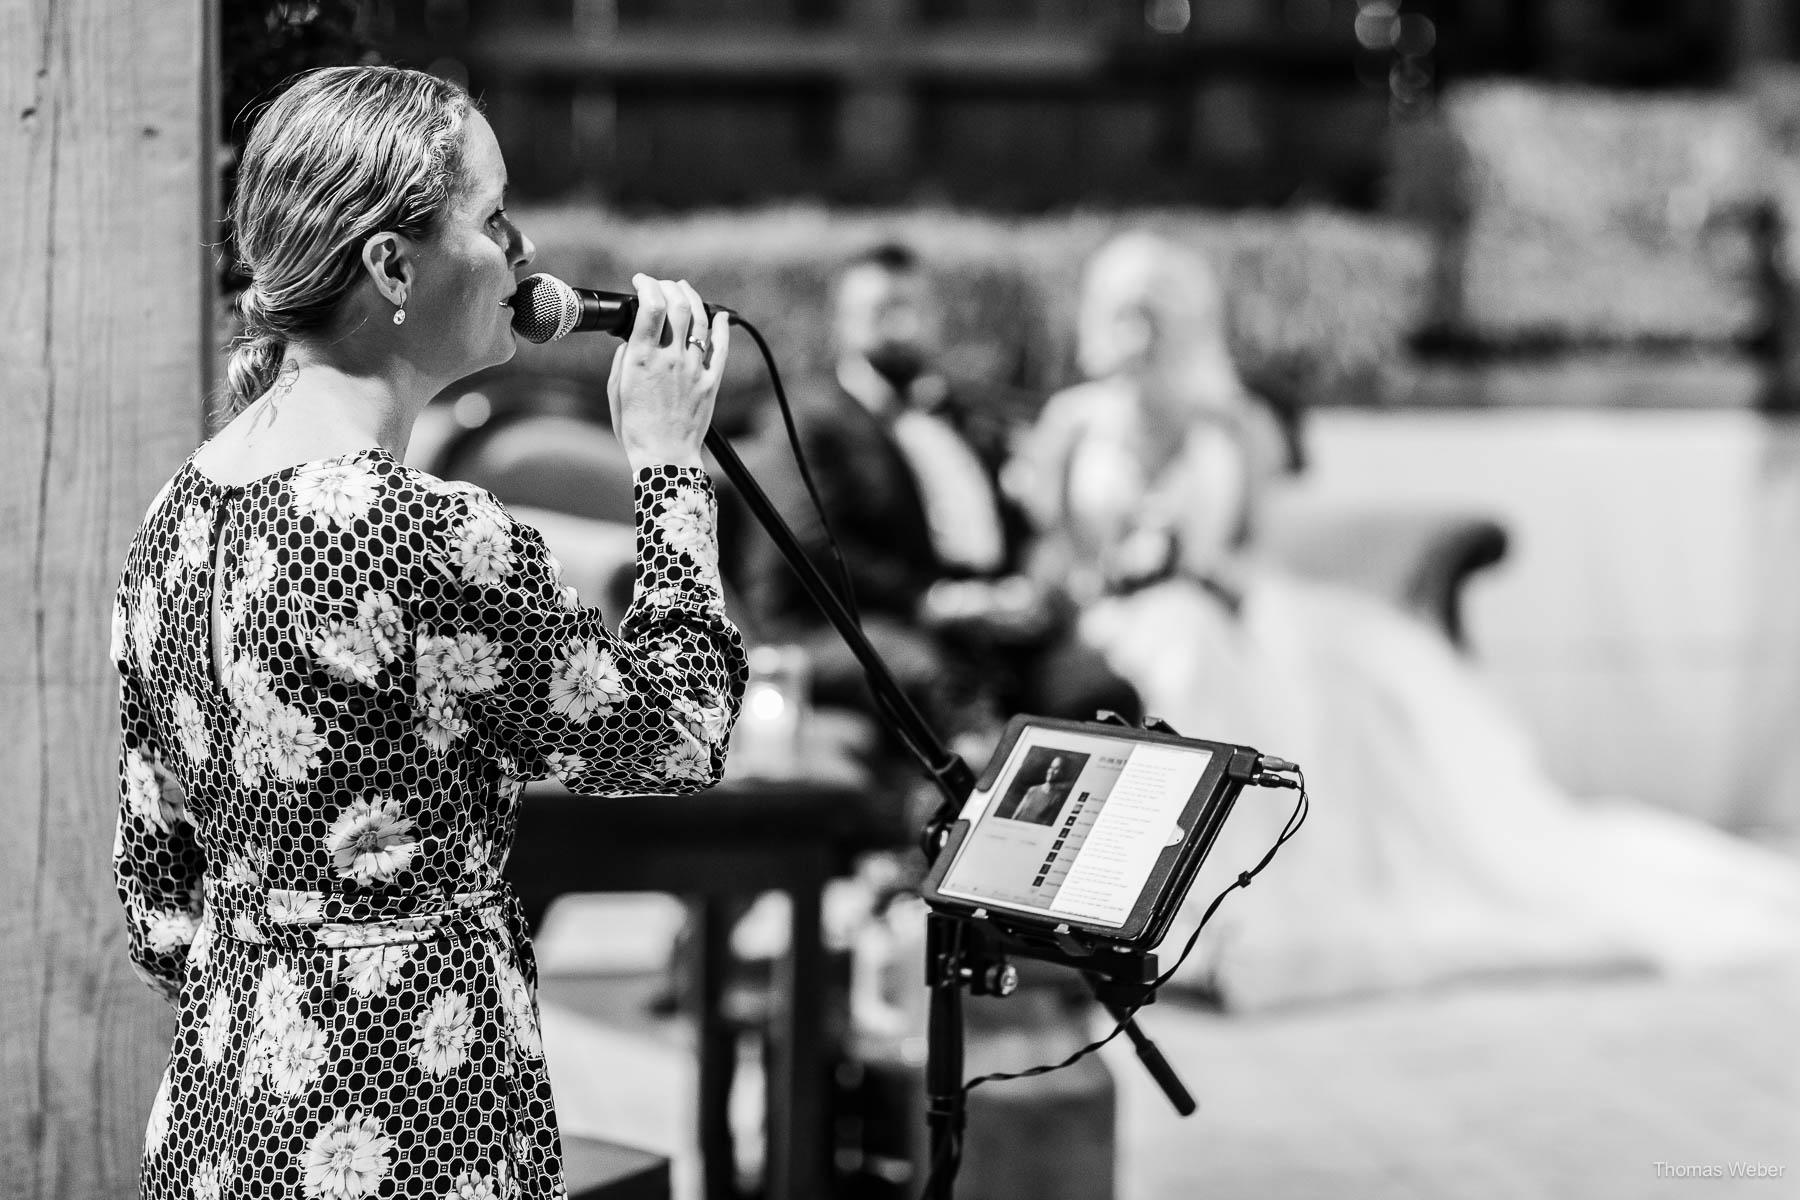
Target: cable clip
950 1110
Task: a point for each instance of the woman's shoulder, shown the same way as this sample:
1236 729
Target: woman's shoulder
1070 415
157 528
1083 403
384 500
451 501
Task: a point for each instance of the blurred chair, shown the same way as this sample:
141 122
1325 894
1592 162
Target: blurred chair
597 1170
1418 559
528 441
546 461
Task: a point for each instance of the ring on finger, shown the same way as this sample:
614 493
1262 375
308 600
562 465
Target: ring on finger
698 343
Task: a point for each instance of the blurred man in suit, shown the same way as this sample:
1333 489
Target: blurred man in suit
906 462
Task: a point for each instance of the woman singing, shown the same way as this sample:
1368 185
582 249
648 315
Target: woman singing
338 672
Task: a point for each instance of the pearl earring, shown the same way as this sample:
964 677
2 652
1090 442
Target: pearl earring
399 316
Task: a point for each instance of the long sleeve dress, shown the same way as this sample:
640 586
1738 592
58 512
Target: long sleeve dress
312 825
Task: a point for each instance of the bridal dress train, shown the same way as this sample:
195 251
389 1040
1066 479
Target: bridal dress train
1436 849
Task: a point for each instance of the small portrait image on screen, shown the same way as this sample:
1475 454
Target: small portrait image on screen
1042 783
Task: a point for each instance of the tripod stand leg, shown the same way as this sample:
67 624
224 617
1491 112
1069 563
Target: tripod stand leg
1153 1060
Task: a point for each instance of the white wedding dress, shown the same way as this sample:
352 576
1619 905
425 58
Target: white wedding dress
1437 849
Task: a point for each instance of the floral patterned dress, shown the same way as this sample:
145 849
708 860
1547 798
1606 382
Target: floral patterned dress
312 826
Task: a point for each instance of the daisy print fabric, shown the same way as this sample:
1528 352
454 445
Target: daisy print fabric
312 825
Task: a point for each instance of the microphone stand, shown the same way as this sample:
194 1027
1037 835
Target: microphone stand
946 768
953 960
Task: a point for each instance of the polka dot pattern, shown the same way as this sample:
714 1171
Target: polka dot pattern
312 826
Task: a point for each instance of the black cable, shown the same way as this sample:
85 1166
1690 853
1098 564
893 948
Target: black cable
848 593
1295 820
847 589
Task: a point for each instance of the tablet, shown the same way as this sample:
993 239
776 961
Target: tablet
1086 831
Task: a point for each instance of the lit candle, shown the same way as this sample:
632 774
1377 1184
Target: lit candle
766 742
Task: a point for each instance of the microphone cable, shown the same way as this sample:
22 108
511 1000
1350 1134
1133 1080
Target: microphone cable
846 588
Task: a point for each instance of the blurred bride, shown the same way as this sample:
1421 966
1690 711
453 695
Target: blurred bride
1437 848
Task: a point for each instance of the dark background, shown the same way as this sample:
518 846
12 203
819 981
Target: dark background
1011 105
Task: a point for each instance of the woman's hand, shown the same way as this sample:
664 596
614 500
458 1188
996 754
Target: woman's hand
666 375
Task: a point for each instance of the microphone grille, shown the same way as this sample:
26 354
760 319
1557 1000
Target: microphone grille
544 308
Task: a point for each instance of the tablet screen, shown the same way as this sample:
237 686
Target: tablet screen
1073 824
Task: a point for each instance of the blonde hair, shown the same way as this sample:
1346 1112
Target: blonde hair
344 153
1170 278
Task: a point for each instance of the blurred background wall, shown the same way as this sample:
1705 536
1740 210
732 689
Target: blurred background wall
1021 104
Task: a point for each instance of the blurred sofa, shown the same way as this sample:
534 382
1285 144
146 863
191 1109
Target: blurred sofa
1643 623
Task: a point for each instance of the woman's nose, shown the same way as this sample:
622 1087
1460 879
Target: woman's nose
527 250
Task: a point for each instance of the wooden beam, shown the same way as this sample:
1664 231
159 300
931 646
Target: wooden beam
1763 33
518 52
962 54
877 115
103 168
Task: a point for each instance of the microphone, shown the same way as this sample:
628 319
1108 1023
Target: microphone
545 309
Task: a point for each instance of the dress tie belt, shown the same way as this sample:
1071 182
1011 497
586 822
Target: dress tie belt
297 920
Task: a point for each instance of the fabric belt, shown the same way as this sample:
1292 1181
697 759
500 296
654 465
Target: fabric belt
301 920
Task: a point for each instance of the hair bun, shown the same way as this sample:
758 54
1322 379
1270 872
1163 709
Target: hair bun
249 304
255 362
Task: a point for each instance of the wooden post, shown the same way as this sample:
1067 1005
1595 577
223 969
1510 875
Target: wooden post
876 109
105 164
1763 33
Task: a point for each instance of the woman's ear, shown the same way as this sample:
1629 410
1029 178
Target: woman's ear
387 258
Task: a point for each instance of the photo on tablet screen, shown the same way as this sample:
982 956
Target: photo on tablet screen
1043 782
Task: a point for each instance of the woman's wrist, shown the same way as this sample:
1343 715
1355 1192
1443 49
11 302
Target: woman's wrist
646 460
